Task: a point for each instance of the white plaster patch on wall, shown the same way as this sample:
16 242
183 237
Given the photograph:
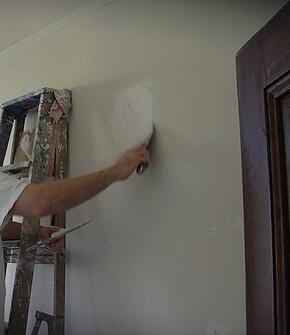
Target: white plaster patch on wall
132 117
216 329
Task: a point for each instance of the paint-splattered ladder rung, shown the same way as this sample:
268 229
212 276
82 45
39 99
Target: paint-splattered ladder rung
16 167
11 250
25 102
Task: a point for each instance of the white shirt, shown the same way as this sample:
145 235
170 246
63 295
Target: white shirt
10 190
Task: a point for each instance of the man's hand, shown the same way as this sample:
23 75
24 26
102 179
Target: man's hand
46 232
129 160
13 229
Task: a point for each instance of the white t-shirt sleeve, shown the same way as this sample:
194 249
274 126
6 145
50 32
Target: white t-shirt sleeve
10 190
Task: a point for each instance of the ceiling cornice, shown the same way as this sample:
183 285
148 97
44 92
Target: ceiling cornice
53 27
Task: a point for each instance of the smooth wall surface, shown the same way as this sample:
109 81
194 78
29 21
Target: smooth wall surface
165 255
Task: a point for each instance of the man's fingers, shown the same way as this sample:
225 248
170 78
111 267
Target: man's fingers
146 154
51 230
46 232
144 158
131 159
142 154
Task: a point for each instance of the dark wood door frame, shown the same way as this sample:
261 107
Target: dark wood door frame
279 154
262 68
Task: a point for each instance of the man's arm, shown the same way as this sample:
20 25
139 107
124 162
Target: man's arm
55 196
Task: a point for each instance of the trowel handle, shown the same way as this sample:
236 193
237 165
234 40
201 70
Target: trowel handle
141 168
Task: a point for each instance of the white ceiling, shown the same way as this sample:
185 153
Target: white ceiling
21 18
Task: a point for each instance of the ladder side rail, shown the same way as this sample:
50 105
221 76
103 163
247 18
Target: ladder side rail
60 220
6 124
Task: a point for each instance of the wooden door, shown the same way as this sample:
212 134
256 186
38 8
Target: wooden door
263 73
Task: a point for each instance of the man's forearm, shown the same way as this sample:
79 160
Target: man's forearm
54 196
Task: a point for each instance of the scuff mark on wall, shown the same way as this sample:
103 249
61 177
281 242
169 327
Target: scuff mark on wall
216 329
238 224
212 231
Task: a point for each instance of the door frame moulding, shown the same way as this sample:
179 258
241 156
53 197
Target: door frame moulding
261 62
280 197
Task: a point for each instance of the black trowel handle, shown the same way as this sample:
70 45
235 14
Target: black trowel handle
141 168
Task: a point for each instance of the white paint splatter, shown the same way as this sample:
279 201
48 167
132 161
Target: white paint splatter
216 329
132 117
26 143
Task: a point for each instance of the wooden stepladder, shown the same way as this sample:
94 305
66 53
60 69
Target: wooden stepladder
48 160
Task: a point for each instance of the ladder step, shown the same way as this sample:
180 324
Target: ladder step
11 253
21 105
15 167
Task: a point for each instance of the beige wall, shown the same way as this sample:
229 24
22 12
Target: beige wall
165 255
